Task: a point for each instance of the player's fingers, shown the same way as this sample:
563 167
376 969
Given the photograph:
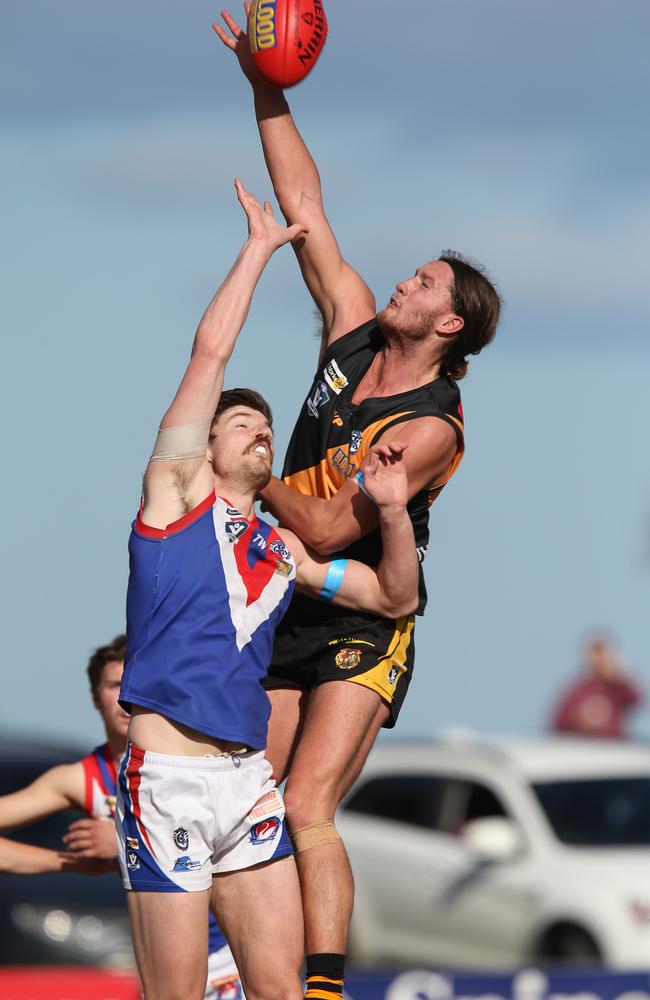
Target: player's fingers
226 39
232 24
296 230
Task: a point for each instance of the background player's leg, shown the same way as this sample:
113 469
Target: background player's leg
288 704
170 935
341 723
260 912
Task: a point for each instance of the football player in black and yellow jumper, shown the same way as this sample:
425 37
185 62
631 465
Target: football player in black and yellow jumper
337 678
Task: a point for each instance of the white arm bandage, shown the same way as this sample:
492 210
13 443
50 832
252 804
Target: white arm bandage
174 443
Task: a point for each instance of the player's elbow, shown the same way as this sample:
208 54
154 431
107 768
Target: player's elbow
400 607
302 201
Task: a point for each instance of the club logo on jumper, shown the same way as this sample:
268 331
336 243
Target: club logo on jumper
269 803
334 377
341 462
355 442
181 838
347 658
318 398
132 861
132 843
266 830
235 529
278 548
261 29
110 802
283 568
336 419
393 674
185 864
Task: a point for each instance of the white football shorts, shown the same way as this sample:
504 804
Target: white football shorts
181 820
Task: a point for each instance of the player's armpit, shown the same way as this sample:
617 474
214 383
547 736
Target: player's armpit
59 788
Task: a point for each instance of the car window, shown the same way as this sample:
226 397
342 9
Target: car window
602 812
413 799
463 801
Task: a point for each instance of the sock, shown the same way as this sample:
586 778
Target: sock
325 976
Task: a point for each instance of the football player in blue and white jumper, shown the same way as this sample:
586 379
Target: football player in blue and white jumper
199 817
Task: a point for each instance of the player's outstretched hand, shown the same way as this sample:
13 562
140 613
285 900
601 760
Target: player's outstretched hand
384 474
262 224
236 39
91 838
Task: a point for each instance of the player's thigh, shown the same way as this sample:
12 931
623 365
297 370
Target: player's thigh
285 725
170 936
260 911
341 723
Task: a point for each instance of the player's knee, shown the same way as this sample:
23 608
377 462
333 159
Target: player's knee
312 802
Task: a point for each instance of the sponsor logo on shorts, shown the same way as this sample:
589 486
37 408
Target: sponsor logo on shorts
185 864
269 803
227 991
318 398
132 843
283 568
234 529
393 674
278 548
266 830
422 551
347 658
181 838
132 861
355 442
334 377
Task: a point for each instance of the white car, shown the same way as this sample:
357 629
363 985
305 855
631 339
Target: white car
487 855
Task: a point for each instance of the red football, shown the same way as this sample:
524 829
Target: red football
286 38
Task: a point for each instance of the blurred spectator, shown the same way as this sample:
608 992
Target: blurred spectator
599 702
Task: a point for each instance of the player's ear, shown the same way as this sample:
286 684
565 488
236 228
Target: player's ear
451 326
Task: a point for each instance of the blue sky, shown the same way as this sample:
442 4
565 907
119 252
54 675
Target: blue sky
514 132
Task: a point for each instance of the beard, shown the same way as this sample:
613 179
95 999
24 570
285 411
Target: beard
417 327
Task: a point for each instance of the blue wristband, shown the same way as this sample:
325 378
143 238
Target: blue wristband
333 579
360 481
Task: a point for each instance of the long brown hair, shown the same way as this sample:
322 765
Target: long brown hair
477 301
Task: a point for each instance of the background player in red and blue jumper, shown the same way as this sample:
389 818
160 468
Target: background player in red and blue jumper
199 814
90 785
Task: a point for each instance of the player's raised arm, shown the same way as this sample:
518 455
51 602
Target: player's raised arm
178 475
340 293
392 589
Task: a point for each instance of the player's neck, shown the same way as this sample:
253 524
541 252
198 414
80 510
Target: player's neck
398 367
116 746
240 497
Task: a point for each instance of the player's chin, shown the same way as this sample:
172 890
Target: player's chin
386 318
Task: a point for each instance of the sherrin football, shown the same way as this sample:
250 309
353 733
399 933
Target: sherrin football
286 38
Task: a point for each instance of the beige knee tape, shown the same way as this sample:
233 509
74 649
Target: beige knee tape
314 835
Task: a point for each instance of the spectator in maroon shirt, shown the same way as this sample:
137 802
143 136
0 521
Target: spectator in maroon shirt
599 702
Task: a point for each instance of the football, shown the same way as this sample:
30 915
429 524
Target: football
286 38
